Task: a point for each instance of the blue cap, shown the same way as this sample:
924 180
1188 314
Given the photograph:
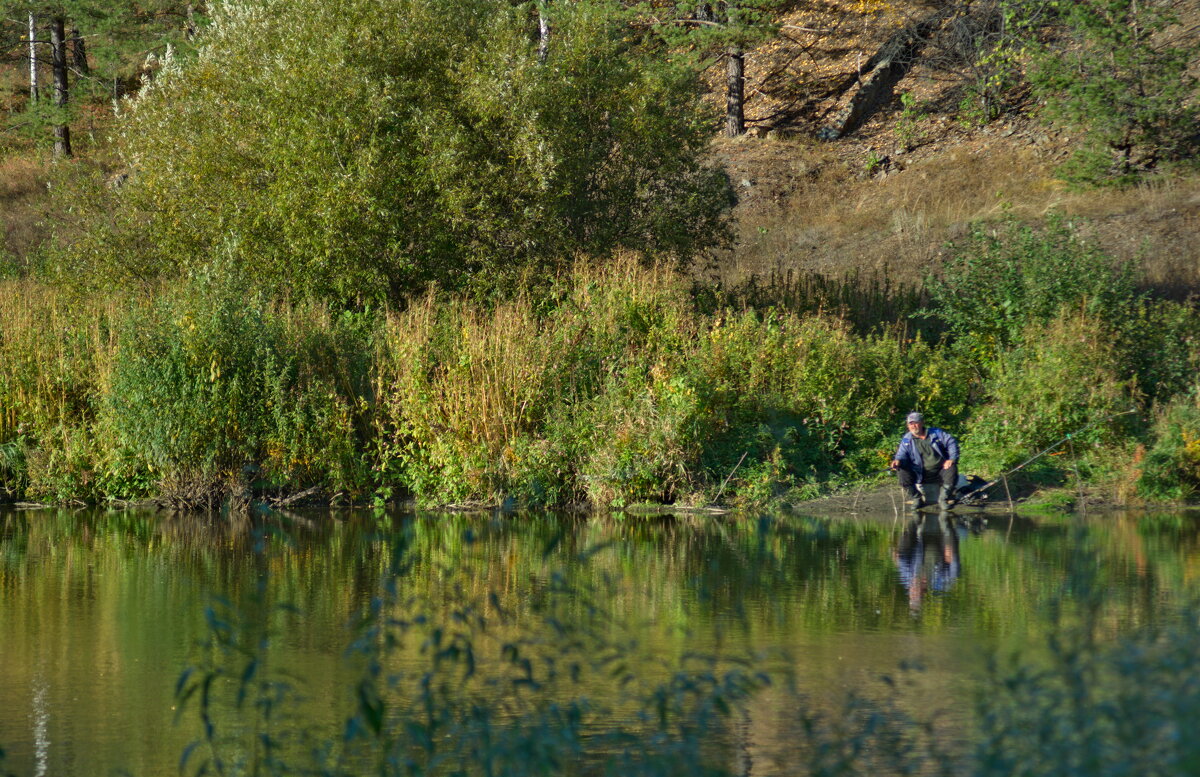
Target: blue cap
915 418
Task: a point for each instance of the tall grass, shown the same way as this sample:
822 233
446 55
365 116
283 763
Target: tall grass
624 392
608 385
57 357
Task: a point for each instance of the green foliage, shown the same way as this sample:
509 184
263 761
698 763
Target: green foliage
873 163
1064 377
1158 342
908 123
56 356
621 392
986 98
211 391
1123 83
1171 469
1007 277
945 390
1114 71
990 43
122 42
708 29
189 382
613 386
453 153
13 468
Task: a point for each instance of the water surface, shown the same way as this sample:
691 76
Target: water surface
100 612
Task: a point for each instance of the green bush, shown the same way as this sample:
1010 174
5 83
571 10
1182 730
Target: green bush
1171 469
1159 342
364 151
1065 377
1007 277
213 391
190 386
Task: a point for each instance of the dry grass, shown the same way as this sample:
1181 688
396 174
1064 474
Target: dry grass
22 198
831 208
57 353
814 208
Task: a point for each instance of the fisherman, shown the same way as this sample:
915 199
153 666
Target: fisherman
926 455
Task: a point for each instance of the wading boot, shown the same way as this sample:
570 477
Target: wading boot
946 500
913 501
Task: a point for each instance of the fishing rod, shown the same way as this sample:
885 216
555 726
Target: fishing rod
1040 454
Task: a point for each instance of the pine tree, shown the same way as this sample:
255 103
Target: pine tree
722 31
90 47
1124 83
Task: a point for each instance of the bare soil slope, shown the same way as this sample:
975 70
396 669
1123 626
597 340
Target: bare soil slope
888 196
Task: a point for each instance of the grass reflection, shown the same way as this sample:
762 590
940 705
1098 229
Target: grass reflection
451 644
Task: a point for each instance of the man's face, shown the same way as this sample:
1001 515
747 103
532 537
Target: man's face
916 427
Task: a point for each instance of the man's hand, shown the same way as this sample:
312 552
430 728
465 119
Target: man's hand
895 464
948 464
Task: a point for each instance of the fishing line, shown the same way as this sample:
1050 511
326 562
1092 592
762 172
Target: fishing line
1042 453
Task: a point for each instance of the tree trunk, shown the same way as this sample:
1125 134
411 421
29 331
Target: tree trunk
58 49
33 63
735 86
543 32
190 25
79 53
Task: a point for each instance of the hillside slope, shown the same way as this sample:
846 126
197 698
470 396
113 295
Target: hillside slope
884 197
889 195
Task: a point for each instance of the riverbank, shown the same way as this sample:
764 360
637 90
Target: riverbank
605 387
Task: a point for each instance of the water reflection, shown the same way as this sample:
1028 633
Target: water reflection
100 611
927 556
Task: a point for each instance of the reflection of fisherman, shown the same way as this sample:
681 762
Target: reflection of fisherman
910 557
926 455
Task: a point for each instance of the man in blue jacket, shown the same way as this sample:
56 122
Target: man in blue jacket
926 455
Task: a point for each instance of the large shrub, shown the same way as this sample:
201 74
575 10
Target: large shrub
1065 377
212 391
1005 278
368 147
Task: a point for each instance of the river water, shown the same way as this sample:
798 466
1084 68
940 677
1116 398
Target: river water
102 612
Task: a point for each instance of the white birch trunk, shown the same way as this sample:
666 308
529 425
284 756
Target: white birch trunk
33 64
543 32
